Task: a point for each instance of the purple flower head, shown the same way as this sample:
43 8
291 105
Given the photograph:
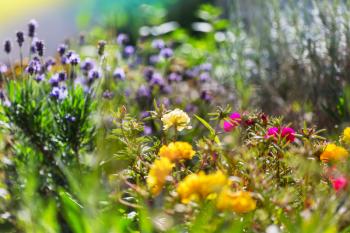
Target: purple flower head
34 66
39 46
145 114
165 101
64 60
119 74
143 92
192 73
20 38
59 93
62 48
129 50
148 73
147 130
62 76
32 26
87 65
166 53
70 118
73 58
101 47
206 67
127 92
93 75
206 96
174 77
166 89
158 44
49 63
7 46
154 59
3 68
108 94
157 79
204 77
191 108
122 39
54 80
39 78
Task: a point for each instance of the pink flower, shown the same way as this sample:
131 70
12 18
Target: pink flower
288 133
273 131
233 122
339 183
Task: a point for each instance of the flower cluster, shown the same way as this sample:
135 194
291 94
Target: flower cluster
177 151
158 173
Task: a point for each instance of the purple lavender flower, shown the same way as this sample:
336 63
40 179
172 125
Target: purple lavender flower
7 46
73 58
191 108
59 93
129 50
32 26
166 53
122 39
62 76
39 78
166 89
87 65
93 75
101 47
70 118
143 92
39 46
49 63
119 74
20 38
204 77
127 92
54 80
34 66
62 49
158 44
206 67
165 101
157 79
107 94
174 77
148 73
192 73
154 59
206 96
145 114
147 130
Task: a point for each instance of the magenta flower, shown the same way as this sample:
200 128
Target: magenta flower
339 183
273 131
288 133
233 122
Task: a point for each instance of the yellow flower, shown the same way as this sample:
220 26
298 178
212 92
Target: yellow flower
196 187
346 135
333 152
157 175
177 118
176 151
240 202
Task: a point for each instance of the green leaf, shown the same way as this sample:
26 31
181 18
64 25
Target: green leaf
208 126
